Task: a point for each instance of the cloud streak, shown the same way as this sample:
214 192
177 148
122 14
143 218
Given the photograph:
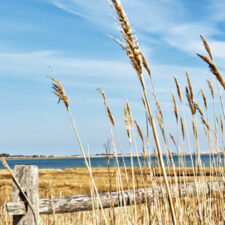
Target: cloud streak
168 19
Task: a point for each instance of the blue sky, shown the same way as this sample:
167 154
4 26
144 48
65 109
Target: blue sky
72 37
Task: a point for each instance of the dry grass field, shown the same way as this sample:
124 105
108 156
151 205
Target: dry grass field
69 182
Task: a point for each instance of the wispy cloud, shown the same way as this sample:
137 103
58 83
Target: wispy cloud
96 11
36 63
9 26
168 19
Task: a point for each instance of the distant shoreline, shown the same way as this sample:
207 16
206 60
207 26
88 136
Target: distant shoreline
94 156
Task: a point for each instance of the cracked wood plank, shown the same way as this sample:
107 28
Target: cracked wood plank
116 199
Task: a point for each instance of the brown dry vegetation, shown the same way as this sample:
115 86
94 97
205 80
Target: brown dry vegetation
56 183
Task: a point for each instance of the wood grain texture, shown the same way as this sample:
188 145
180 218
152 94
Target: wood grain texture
84 202
28 179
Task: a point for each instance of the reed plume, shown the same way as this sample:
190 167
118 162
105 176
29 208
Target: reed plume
137 59
199 109
141 136
107 107
211 64
173 139
178 88
205 123
211 88
204 99
128 119
158 106
190 101
60 92
175 107
131 46
182 127
207 48
190 86
139 130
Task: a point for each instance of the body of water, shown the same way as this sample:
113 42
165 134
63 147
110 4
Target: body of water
63 163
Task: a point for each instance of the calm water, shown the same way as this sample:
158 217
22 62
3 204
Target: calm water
101 162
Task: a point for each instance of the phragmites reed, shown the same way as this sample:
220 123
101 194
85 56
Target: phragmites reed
217 120
190 101
173 139
182 126
189 86
207 48
199 109
205 123
204 99
158 106
211 64
131 47
145 64
221 125
178 88
141 136
107 107
175 107
137 58
59 91
211 87
139 130
128 119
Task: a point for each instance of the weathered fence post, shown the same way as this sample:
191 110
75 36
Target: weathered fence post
28 179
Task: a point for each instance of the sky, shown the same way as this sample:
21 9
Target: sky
73 38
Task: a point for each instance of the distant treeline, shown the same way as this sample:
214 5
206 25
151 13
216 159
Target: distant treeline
8 155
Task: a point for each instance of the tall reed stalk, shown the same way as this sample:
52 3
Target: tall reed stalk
138 60
59 91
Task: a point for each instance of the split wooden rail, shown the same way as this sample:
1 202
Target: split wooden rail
28 178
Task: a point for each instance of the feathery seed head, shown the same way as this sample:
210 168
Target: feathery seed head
182 127
175 107
190 86
107 107
204 98
102 92
131 47
207 48
211 87
128 119
213 69
158 106
178 88
59 91
190 102
199 109
173 139
211 64
221 125
205 123
139 130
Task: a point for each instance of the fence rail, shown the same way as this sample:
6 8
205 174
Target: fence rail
77 203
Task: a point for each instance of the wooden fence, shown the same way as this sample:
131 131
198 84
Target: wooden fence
28 179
